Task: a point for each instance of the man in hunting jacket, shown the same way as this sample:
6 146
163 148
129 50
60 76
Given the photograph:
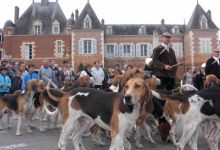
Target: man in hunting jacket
163 60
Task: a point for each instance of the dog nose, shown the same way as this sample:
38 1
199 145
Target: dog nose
128 98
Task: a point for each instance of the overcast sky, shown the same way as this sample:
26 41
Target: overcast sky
124 11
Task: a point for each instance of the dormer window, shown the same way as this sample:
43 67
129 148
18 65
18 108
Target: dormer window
109 30
142 30
87 22
37 27
56 27
203 22
175 30
155 33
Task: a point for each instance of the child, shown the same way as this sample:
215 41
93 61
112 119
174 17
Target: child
5 82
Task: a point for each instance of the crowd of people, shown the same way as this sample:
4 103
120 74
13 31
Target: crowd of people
15 75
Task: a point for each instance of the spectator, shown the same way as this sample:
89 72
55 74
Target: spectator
22 68
98 75
67 74
16 82
163 59
56 77
188 77
46 71
5 82
198 80
117 69
30 75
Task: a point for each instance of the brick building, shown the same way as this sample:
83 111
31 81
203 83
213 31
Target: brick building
43 32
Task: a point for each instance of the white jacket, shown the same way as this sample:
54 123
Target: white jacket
98 75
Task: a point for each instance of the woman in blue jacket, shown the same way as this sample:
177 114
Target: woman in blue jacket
5 82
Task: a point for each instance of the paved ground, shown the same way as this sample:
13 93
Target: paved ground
49 139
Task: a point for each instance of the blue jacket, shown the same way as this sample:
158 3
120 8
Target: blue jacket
28 77
5 83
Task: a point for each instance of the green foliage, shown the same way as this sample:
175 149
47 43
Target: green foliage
80 67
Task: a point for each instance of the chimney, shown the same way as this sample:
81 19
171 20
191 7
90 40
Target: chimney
162 22
209 13
103 22
16 14
72 15
77 13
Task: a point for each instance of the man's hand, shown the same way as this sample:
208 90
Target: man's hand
168 67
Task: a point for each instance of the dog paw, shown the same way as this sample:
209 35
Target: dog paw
18 133
42 129
139 146
9 126
29 130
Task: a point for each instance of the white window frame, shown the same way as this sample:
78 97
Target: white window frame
56 27
205 45
82 46
37 27
203 22
59 48
178 49
176 30
87 22
28 51
126 50
141 47
114 50
142 30
109 30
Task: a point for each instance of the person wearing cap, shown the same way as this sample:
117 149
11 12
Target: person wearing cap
213 64
5 82
163 59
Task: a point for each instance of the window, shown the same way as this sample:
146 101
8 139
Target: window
175 30
28 48
203 22
56 27
142 30
37 30
87 22
205 45
126 50
143 50
37 27
87 46
178 49
59 48
109 30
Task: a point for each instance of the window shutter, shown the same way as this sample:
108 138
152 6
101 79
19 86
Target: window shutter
94 46
116 50
149 50
105 50
120 50
80 45
133 50
138 50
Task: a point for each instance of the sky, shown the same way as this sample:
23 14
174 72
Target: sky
124 11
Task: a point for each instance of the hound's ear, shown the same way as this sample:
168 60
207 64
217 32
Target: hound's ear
149 107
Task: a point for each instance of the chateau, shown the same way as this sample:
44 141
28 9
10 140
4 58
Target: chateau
44 32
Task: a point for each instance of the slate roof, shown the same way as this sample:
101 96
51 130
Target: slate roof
128 29
194 22
9 23
88 10
46 13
